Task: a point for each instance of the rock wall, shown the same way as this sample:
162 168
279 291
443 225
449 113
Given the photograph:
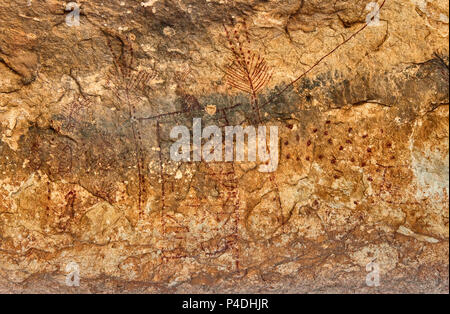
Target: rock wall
87 185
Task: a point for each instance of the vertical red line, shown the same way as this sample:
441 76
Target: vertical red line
132 112
236 204
161 169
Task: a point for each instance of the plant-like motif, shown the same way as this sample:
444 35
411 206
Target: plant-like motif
247 71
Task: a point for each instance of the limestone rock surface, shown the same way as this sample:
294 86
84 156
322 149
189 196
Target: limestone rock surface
87 185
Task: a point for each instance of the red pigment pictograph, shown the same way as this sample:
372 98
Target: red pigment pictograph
247 70
126 83
190 103
73 114
66 159
161 173
227 182
380 177
68 212
73 111
222 238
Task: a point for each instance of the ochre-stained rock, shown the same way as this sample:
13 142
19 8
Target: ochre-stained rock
87 183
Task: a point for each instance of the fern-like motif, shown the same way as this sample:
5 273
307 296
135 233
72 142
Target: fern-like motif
124 75
247 71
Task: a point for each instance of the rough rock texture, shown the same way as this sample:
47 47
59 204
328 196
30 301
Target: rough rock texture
85 174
